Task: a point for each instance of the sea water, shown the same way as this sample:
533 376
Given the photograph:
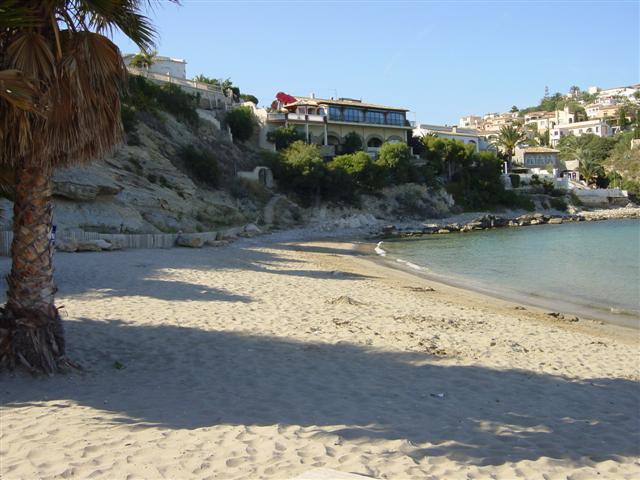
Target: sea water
591 267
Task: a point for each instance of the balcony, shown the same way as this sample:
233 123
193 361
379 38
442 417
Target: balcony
295 117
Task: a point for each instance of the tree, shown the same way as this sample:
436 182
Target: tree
304 170
590 170
514 109
249 98
240 121
395 162
623 121
445 155
144 59
352 143
360 167
508 139
79 74
574 91
282 137
209 81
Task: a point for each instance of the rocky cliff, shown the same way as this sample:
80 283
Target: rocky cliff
144 186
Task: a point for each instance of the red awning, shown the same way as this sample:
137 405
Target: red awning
285 99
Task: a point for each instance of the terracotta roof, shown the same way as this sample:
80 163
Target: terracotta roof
540 150
343 102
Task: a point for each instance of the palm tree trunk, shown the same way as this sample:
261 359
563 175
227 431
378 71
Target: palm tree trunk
30 327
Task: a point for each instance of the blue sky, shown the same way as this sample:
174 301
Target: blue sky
441 60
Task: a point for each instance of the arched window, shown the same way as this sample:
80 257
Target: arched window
374 142
333 139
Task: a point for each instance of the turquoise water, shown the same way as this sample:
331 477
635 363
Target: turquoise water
587 265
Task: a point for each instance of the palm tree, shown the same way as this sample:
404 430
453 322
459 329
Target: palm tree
59 47
144 59
590 170
508 139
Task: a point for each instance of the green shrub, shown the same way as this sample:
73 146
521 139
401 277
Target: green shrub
129 118
201 163
249 98
282 137
548 186
558 203
303 171
352 143
515 180
395 163
180 104
145 96
361 168
575 200
517 201
241 123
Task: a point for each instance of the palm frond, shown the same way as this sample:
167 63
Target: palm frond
15 14
18 90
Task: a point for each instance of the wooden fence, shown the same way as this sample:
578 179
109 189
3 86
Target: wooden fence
142 240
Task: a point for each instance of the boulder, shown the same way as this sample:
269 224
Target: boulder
443 230
252 227
92 245
66 245
430 228
115 244
190 240
555 221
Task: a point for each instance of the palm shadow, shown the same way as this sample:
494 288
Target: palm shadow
186 378
84 272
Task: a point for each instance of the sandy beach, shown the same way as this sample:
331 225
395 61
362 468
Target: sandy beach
266 359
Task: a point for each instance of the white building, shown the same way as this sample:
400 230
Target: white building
173 67
548 120
470 121
468 136
601 111
536 157
612 96
595 127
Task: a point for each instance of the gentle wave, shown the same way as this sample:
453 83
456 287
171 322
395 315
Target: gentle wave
585 265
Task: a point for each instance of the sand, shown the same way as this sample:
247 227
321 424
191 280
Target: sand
268 360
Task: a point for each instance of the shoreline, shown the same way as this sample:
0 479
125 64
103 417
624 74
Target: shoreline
552 306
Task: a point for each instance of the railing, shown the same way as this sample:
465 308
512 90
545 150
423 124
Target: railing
299 117
142 240
175 80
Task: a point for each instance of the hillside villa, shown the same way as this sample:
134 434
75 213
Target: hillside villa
326 122
165 70
468 136
547 120
173 67
595 127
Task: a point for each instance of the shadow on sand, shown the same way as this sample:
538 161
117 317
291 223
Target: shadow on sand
188 378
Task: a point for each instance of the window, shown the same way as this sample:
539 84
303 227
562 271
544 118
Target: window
395 118
353 115
335 113
375 117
